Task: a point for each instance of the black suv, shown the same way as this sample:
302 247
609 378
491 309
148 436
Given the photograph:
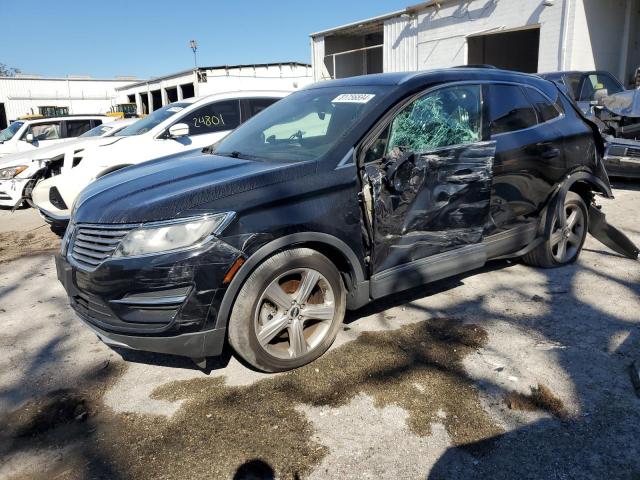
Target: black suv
337 195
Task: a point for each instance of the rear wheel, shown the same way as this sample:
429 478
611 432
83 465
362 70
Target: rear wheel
563 244
289 311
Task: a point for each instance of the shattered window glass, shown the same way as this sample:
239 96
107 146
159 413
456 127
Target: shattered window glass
449 116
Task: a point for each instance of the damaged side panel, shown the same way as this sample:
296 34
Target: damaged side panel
428 203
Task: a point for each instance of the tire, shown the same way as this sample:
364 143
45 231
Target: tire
275 325
562 247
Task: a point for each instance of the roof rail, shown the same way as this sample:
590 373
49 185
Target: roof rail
479 65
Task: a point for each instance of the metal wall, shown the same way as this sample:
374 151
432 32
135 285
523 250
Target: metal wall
208 81
23 96
400 49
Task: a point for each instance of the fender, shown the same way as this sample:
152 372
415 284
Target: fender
597 224
281 243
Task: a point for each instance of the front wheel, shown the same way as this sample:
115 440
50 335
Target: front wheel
289 311
563 243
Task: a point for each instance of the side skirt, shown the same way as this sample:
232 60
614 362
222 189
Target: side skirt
425 270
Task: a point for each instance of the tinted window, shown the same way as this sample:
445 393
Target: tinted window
45 131
152 120
214 117
572 82
75 128
546 110
256 105
598 81
449 116
510 109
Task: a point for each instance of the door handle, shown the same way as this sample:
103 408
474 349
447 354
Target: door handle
550 153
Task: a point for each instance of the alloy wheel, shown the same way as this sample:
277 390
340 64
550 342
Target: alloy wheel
566 240
294 313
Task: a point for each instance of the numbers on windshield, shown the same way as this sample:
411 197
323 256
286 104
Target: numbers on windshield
208 121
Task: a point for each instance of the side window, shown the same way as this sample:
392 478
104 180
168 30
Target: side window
215 117
510 109
75 128
256 105
45 131
445 117
546 109
97 122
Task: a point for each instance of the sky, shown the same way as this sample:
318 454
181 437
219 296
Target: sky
108 38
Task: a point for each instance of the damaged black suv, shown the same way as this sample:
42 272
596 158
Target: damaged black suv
341 193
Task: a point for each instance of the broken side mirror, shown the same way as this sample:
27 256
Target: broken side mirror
178 130
394 167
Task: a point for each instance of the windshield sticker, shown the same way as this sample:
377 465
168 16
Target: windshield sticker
353 98
174 109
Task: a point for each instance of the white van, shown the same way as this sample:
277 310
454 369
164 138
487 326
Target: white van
25 135
19 172
185 125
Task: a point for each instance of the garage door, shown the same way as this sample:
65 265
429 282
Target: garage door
509 50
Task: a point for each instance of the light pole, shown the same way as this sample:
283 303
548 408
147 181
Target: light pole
194 46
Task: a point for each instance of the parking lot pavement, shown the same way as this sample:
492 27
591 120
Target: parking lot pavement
506 372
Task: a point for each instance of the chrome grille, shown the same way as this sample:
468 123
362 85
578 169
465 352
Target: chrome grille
93 244
633 152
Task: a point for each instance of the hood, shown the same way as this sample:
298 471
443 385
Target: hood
46 153
625 104
166 188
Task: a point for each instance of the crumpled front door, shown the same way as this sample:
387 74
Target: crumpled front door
427 203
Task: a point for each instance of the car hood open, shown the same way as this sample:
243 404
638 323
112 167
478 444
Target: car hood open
166 188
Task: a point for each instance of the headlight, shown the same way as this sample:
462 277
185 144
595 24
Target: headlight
177 235
9 173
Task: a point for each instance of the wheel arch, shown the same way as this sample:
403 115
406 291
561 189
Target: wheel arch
332 247
112 169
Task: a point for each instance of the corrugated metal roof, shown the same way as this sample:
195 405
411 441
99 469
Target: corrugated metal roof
216 67
359 25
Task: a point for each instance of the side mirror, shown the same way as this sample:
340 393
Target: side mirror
178 130
30 138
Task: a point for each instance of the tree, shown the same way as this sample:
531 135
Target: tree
6 71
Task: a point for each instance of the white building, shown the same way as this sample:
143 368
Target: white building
525 35
153 94
28 94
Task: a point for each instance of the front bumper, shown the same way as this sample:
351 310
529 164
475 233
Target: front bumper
161 303
11 191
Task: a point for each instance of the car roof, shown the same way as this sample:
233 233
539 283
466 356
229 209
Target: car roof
63 117
237 94
433 77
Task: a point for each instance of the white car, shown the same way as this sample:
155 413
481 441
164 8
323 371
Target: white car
25 135
185 125
19 172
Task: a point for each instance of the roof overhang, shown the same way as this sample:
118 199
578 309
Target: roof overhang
357 27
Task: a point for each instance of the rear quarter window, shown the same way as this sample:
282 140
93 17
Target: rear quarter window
510 110
546 109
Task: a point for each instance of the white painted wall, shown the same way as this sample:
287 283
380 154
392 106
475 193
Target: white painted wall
442 32
269 77
23 96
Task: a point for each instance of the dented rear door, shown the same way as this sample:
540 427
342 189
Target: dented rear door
427 178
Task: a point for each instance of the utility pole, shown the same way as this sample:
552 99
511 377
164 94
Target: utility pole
194 46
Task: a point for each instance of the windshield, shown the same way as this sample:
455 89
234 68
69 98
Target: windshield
10 131
599 81
303 126
97 131
153 120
